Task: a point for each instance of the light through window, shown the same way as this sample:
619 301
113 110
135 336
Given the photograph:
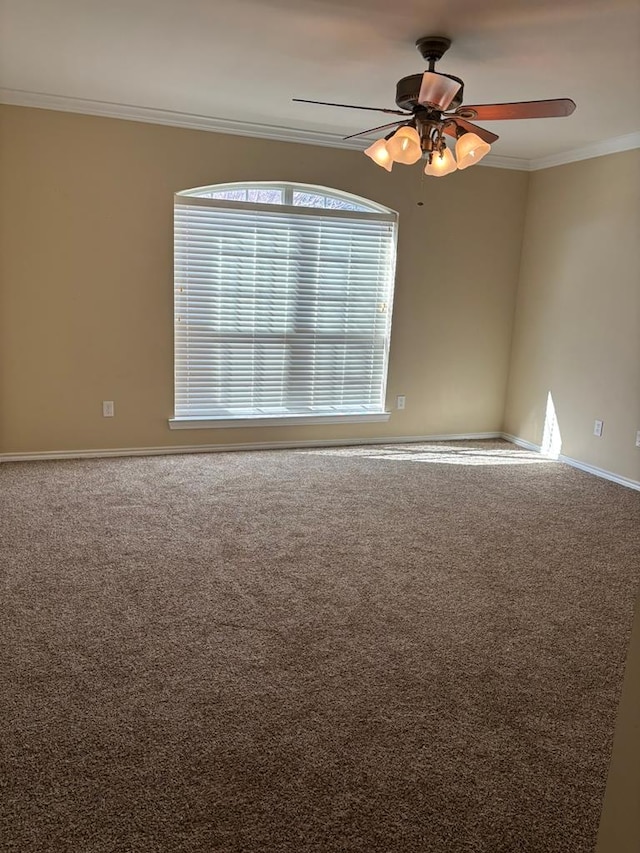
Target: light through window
283 298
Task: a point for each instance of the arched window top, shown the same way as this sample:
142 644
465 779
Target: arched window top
288 194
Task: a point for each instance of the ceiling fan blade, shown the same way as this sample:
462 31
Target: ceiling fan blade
372 130
555 108
487 135
352 107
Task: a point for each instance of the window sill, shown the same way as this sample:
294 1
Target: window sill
276 420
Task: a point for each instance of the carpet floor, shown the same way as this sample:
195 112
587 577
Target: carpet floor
394 649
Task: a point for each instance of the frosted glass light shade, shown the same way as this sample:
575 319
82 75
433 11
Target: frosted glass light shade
380 154
437 91
442 163
470 149
404 146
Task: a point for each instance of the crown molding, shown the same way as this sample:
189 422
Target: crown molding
172 118
599 149
108 109
497 161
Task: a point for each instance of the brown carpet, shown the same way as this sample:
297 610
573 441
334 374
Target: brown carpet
383 650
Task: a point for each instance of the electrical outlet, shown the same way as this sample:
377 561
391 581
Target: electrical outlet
107 409
597 428
400 401
638 438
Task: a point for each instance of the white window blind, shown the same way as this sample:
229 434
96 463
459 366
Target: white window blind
280 310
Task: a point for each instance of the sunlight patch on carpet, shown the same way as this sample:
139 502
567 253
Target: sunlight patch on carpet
440 454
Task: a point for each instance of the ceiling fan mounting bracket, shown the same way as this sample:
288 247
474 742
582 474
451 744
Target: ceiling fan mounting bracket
433 48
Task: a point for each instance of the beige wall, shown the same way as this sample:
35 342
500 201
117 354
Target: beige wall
86 288
86 277
577 322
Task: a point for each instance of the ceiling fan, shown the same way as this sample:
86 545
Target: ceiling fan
431 109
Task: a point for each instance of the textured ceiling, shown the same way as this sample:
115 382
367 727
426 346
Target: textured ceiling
243 60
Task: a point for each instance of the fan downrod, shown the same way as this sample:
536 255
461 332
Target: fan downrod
433 48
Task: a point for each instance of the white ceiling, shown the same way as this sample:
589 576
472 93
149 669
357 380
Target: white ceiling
243 60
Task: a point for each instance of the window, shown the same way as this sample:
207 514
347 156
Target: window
283 298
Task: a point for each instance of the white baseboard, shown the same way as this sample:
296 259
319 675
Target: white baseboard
576 463
600 472
527 445
221 448
293 445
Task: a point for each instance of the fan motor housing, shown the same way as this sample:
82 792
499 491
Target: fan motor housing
408 92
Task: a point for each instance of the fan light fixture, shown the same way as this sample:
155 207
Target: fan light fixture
407 146
379 154
404 146
437 91
430 108
442 163
470 149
